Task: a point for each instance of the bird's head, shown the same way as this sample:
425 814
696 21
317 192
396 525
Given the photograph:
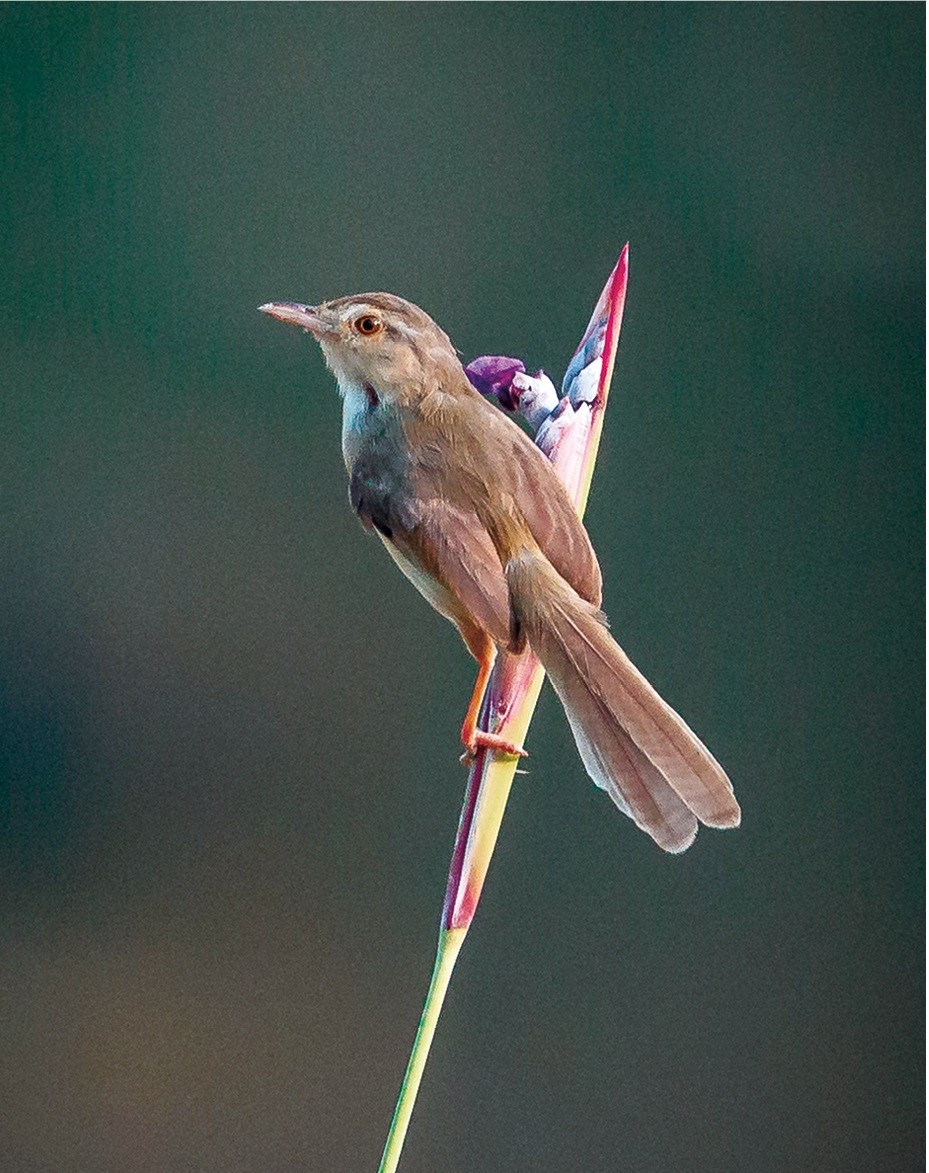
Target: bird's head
374 338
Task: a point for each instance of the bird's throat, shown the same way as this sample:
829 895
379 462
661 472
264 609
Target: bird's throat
360 402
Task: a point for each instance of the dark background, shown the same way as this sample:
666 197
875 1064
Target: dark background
228 726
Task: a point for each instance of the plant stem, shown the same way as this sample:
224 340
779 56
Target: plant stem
449 946
511 697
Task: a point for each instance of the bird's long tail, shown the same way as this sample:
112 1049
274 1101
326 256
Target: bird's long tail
633 744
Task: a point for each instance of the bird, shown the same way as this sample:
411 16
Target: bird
475 516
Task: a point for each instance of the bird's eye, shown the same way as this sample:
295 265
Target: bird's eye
367 324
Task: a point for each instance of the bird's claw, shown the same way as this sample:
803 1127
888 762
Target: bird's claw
493 741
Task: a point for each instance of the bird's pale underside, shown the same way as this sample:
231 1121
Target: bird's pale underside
477 519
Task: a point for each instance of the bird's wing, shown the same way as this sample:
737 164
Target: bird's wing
485 462
552 519
444 550
453 546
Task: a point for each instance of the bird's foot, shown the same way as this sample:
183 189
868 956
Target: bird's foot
481 740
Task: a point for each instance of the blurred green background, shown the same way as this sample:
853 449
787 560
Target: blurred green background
227 724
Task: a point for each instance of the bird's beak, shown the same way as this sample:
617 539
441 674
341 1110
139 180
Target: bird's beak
305 316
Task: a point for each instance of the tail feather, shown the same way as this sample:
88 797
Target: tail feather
633 744
638 789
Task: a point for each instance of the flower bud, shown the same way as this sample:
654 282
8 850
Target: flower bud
492 375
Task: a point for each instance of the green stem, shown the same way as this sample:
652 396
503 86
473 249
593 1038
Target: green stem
450 942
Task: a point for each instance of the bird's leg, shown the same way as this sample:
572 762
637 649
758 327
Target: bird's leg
482 648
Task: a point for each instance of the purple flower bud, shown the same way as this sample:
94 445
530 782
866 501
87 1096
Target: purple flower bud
492 375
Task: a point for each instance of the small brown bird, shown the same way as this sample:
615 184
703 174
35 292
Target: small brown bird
476 518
